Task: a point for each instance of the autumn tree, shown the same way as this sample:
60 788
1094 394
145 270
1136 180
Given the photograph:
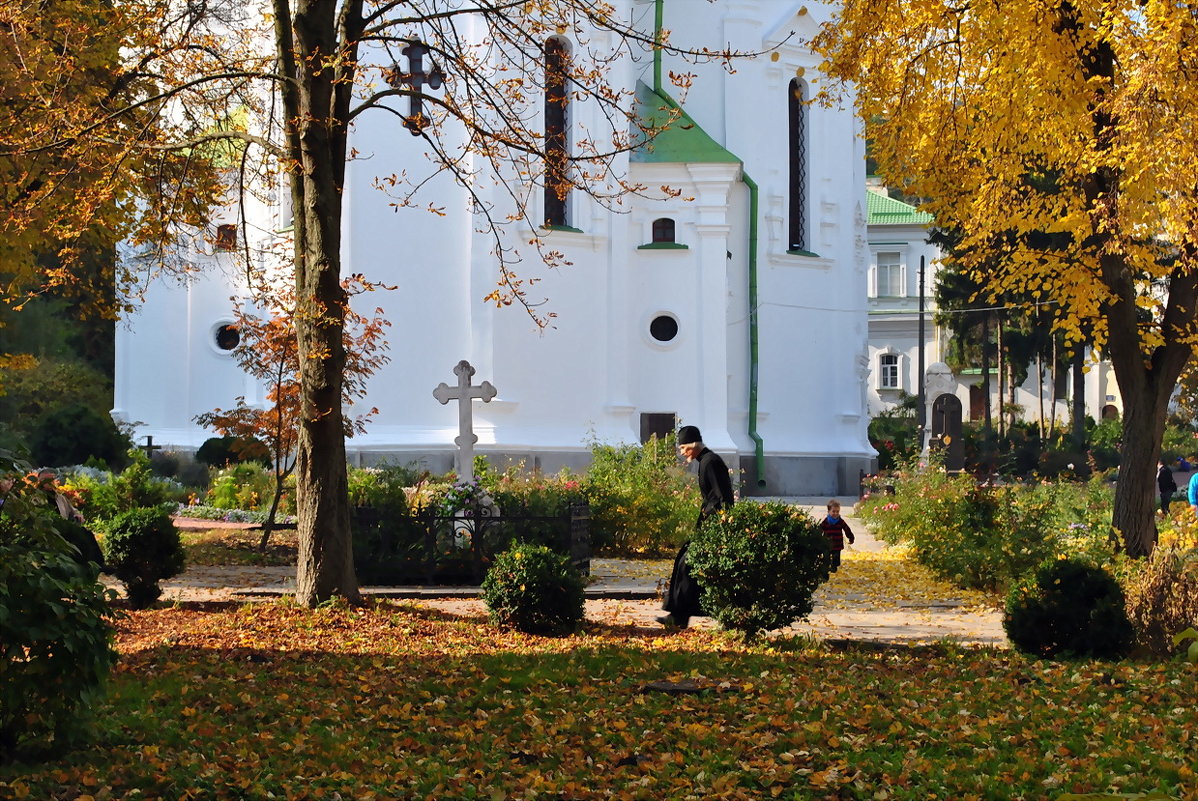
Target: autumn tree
1057 137
217 89
267 350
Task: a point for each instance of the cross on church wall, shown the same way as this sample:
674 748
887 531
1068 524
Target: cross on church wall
464 393
416 78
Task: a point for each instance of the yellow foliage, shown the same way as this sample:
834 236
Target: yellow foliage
1018 120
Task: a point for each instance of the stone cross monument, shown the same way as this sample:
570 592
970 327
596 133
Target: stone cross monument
464 393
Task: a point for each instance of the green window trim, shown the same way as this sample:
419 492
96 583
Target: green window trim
663 246
567 228
807 253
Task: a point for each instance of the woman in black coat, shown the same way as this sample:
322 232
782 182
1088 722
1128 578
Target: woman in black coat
715 486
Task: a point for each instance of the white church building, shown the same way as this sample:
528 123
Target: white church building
739 306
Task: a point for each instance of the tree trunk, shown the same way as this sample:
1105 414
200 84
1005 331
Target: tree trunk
317 105
1052 404
1040 393
1134 515
988 425
1078 413
1002 417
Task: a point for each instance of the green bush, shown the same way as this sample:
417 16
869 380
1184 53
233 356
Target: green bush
227 450
532 589
643 502
55 630
56 641
182 467
989 537
1162 598
106 495
249 486
388 540
758 565
142 547
76 434
36 397
542 503
1068 607
894 433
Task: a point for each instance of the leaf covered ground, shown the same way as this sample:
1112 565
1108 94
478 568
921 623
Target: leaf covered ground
267 700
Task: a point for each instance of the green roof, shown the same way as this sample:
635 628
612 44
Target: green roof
683 141
885 210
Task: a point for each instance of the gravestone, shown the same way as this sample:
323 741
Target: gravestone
946 431
464 393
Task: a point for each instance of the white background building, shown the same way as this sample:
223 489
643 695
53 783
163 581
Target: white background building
897 242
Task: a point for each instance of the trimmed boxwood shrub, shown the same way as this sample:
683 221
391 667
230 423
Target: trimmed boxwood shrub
758 565
142 547
532 589
1068 607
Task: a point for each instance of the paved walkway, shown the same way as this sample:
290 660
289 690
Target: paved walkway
628 592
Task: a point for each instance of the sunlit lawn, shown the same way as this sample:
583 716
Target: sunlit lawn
269 700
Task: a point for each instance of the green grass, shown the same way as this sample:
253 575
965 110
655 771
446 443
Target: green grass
391 701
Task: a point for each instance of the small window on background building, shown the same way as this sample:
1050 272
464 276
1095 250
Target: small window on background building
663 328
888 275
228 337
663 230
888 371
226 237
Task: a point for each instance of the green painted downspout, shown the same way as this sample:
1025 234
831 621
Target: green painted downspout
758 443
754 361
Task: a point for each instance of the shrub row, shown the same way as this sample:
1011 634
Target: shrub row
1050 547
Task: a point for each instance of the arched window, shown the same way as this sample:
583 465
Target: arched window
663 230
797 237
557 126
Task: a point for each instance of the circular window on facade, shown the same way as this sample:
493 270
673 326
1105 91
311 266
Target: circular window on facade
663 328
227 337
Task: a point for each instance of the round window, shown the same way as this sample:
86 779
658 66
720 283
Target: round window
227 337
663 328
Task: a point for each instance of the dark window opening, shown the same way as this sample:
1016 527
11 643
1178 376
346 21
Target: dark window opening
557 121
663 230
798 166
228 337
657 424
226 237
663 328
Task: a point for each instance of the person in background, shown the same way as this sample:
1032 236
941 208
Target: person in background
1166 484
1192 492
73 530
715 486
